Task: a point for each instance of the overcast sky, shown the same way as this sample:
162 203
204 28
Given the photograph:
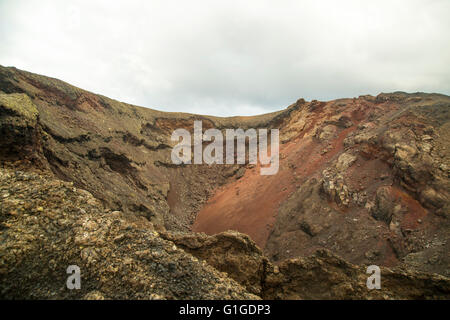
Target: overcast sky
231 57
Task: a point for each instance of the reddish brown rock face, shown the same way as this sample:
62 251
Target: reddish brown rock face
247 205
357 176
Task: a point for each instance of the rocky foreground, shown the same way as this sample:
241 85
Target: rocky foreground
48 224
88 181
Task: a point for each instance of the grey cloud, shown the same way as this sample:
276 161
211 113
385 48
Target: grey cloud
234 57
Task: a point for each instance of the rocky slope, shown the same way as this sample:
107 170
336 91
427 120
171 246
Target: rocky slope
49 224
364 179
119 152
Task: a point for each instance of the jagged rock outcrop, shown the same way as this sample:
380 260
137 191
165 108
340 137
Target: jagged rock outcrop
48 225
321 275
230 252
18 127
326 276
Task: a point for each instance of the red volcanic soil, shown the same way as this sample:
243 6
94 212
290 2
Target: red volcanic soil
247 205
250 204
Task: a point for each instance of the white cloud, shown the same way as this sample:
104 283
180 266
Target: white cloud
231 57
